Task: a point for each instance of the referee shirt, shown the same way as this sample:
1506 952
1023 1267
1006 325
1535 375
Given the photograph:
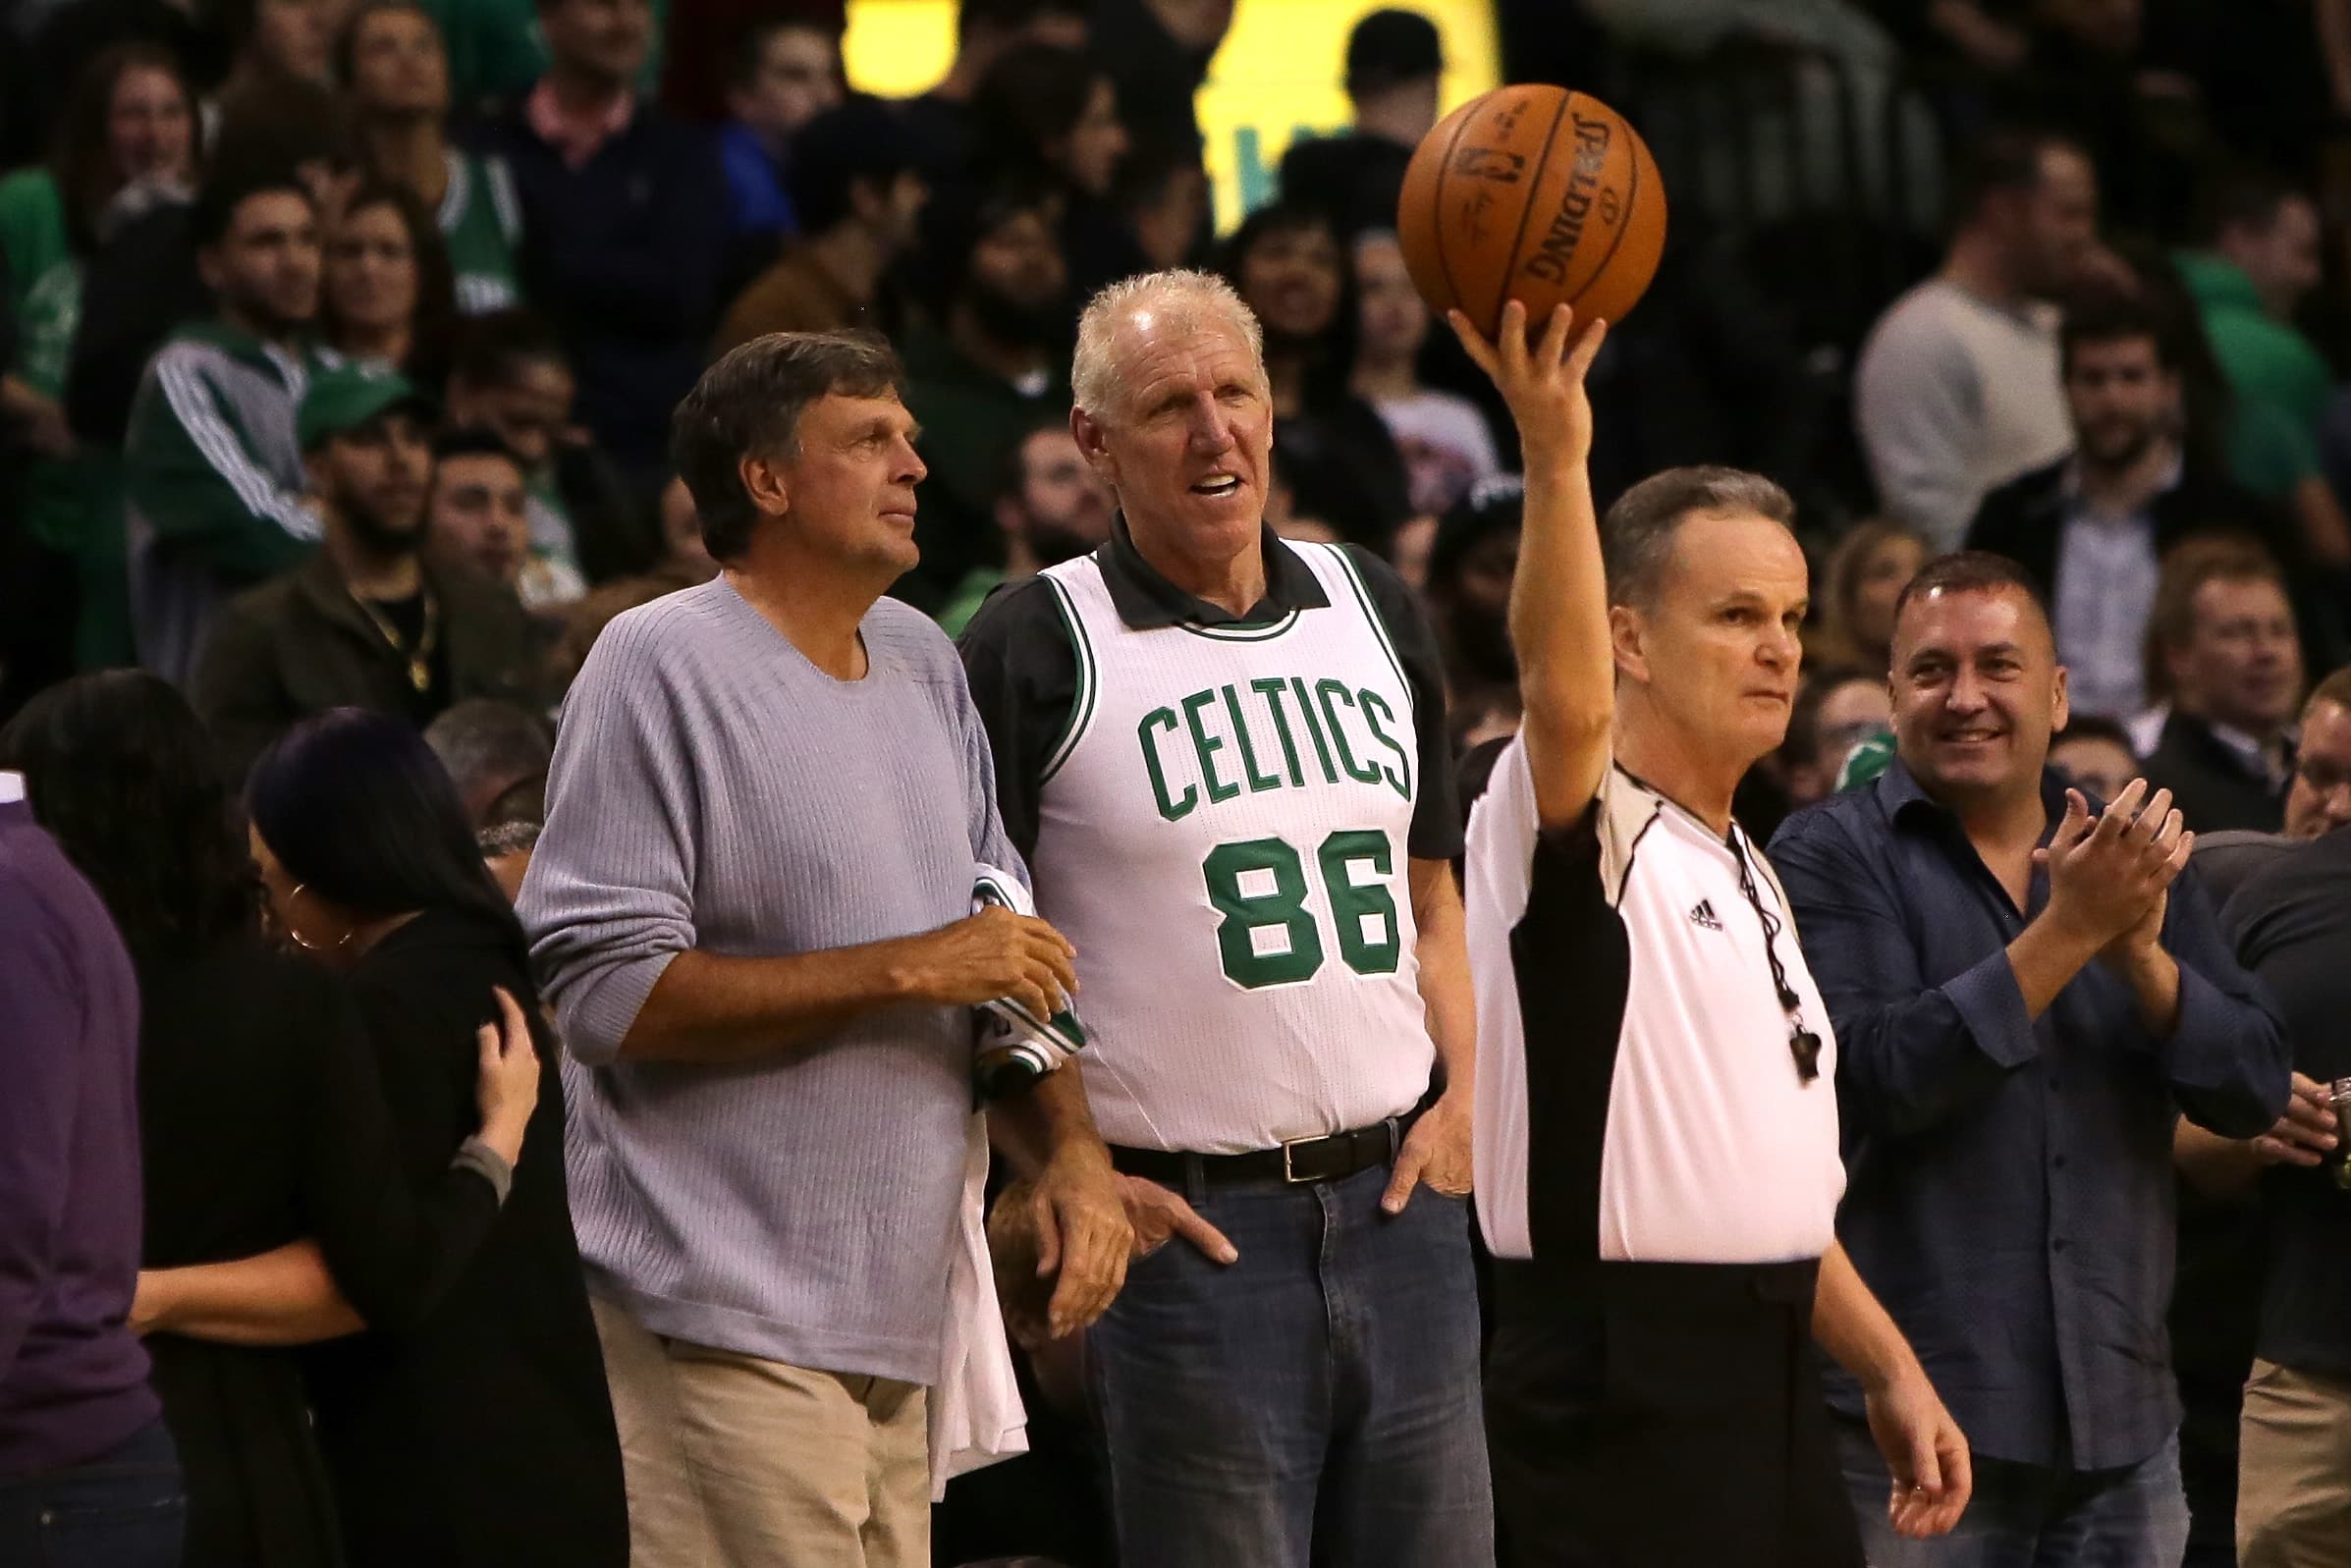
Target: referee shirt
1638 1097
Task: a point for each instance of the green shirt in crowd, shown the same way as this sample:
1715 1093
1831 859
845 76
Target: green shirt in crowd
497 51
481 225
71 505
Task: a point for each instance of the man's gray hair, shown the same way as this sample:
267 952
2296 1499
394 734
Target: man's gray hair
1189 296
1636 538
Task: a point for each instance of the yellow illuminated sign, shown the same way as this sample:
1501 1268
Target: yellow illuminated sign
1275 76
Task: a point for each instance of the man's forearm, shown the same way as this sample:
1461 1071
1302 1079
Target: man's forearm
2153 976
2222 1168
1446 997
1031 1128
715 1010
2046 957
1854 1329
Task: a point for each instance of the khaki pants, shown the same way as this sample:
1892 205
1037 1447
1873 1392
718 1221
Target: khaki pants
2294 1471
733 1462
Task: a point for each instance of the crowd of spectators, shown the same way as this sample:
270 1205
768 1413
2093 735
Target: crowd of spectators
339 346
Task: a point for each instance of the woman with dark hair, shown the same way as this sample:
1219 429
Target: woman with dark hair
128 140
1049 113
387 300
262 1117
482 1433
1287 263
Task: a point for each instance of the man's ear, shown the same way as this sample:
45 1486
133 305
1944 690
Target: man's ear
2061 710
1094 442
315 470
764 481
208 269
1628 642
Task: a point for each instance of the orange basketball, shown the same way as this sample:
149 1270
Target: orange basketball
1535 193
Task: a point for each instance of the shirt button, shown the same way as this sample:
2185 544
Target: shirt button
2057 1162
2057 1245
2056 1086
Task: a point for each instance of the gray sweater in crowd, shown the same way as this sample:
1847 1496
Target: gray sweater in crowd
713 789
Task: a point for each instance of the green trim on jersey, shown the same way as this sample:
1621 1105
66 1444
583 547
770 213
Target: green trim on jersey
1081 701
1371 613
1264 633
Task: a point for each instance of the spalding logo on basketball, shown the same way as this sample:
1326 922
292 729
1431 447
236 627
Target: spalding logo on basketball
1534 194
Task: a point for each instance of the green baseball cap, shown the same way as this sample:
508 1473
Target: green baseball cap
347 395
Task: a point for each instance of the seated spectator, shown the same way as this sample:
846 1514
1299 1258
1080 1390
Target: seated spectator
2259 262
1050 113
1051 506
129 136
54 48
1288 266
1471 567
859 203
396 68
143 281
211 465
88 1470
263 1119
2222 638
1158 52
1837 711
364 623
2092 527
385 301
1956 388
278 42
482 1432
1394 65
784 72
938 123
2318 800
477 519
1163 195
512 379
2095 753
498 49
1860 585
497 755
998 362
1447 446
624 226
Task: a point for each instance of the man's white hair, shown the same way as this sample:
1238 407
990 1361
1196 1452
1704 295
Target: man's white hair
1186 298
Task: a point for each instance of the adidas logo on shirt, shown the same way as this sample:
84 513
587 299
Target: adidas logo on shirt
1702 915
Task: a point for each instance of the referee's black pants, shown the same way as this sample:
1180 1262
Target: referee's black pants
1646 1415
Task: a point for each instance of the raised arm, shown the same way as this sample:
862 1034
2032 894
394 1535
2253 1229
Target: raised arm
1559 602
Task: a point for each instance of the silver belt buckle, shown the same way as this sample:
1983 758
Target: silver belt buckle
1289 1171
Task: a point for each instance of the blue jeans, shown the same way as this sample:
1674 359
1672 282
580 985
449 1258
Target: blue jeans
2031 1516
1316 1401
126 1509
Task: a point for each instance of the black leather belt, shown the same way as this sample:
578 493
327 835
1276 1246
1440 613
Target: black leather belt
1300 1160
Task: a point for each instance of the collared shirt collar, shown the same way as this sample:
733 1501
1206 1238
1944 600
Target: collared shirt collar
1146 600
2069 486
12 788
2251 754
575 137
1905 800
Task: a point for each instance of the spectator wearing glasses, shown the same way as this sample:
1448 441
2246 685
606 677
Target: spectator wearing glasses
2026 998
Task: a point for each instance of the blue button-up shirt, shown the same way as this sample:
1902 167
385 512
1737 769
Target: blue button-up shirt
2010 1193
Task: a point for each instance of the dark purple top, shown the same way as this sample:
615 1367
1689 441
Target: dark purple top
72 1379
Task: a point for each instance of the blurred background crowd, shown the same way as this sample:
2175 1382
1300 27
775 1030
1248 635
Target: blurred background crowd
341 339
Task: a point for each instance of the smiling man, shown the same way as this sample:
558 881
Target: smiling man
1224 756
2026 991
751 907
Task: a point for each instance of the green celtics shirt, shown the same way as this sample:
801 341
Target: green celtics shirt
481 224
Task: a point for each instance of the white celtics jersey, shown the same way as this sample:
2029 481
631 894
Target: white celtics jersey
1222 835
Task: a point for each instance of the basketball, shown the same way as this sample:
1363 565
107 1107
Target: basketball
1536 193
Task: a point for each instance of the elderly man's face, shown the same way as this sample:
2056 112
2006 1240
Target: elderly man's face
1189 446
